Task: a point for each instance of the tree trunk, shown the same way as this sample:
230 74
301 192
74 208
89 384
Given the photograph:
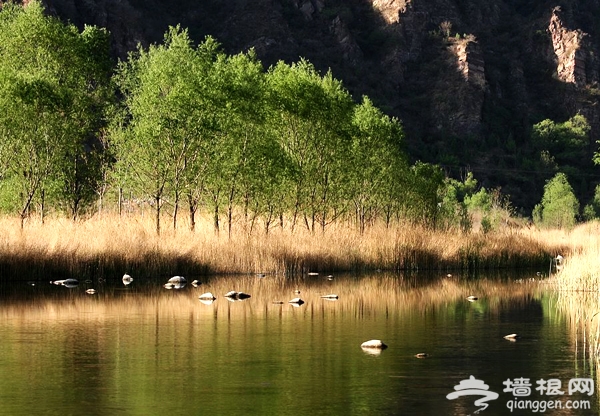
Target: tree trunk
157 201
230 211
193 207
42 205
175 210
120 200
216 218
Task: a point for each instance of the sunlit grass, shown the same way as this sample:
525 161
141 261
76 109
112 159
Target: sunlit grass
578 289
113 244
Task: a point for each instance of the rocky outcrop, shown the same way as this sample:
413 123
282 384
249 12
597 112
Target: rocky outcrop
309 7
576 63
469 60
569 49
351 52
391 9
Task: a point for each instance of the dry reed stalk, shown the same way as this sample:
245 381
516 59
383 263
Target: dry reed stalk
113 244
578 287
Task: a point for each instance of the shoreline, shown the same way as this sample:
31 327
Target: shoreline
110 244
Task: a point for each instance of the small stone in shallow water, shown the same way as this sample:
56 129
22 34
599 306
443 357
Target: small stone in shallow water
177 279
374 343
207 296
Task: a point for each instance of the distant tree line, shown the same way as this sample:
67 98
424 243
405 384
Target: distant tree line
189 129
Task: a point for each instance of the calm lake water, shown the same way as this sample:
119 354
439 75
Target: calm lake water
142 349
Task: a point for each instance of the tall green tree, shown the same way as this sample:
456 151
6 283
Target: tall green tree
376 168
239 110
559 207
54 86
160 138
423 199
311 116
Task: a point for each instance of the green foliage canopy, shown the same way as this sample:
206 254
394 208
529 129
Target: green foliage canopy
559 207
53 89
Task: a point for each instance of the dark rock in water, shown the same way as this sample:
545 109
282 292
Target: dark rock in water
233 295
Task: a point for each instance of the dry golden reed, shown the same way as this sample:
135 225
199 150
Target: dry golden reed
578 287
61 248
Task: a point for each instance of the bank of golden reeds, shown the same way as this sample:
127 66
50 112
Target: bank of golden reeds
578 286
113 244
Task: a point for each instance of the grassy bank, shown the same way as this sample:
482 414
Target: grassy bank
113 244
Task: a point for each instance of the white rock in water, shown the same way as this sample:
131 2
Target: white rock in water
127 279
207 296
374 343
231 294
296 301
177 279
69 283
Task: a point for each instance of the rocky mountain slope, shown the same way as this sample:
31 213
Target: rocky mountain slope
468 78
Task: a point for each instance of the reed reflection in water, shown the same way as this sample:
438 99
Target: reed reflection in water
143 349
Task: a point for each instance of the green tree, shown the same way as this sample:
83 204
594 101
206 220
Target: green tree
160 137
592 209
564 147
376 168
54 86
310 117
559 206
239 138
422 202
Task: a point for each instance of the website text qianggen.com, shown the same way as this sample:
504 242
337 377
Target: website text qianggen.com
543 405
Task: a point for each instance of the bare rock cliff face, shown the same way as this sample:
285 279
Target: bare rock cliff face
575 58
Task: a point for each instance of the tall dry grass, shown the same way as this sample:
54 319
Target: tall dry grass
581 269
113 244
578 286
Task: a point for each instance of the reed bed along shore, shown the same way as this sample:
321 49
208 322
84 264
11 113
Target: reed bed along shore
581 268
110 244
578 288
